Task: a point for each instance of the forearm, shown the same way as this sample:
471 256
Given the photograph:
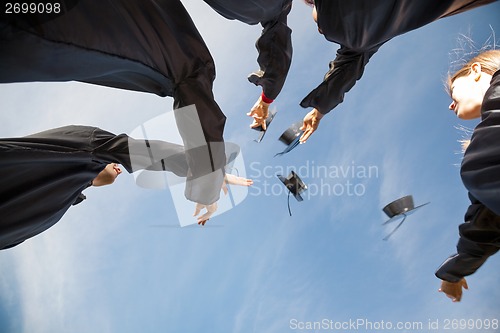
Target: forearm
345 70
201 130
479 239
467 261
275 55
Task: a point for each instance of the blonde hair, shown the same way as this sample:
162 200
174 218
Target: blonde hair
488 56
489 61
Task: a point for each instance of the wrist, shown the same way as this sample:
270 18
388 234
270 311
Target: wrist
265 99
318 114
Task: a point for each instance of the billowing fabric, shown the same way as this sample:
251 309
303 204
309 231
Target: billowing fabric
480 171
275 43
142 45
361 27
43 174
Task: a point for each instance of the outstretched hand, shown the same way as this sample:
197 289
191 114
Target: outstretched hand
205 217
453 289
211 209
259 113
310 125
235 180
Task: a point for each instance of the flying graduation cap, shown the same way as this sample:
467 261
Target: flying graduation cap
295 185
291 137
401 207
262 131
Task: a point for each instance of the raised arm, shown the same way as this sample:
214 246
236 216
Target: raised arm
275 58
345 70
275 54
479 239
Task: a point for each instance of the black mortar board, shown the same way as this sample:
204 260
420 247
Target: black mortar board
270 118
291 137
401 207
295 185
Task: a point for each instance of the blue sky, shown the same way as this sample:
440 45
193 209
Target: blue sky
120 263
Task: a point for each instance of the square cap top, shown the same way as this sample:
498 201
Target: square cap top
294 184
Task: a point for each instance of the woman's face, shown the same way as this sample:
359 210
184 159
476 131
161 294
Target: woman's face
467 95
315 14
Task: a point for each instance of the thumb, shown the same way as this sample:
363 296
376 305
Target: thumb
464 284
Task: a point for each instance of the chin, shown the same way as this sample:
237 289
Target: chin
469 116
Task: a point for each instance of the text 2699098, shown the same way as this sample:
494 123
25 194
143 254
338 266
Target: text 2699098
32 8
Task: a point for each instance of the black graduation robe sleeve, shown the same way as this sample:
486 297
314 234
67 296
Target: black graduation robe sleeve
275 43
141 45
479 239
345 70
203 176
275 54
41 176
360 28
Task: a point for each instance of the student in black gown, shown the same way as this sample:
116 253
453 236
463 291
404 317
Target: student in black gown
475 92
360 28
42 175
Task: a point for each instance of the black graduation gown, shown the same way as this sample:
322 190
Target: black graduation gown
43 174
480 171
275 43
142 45
361 27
